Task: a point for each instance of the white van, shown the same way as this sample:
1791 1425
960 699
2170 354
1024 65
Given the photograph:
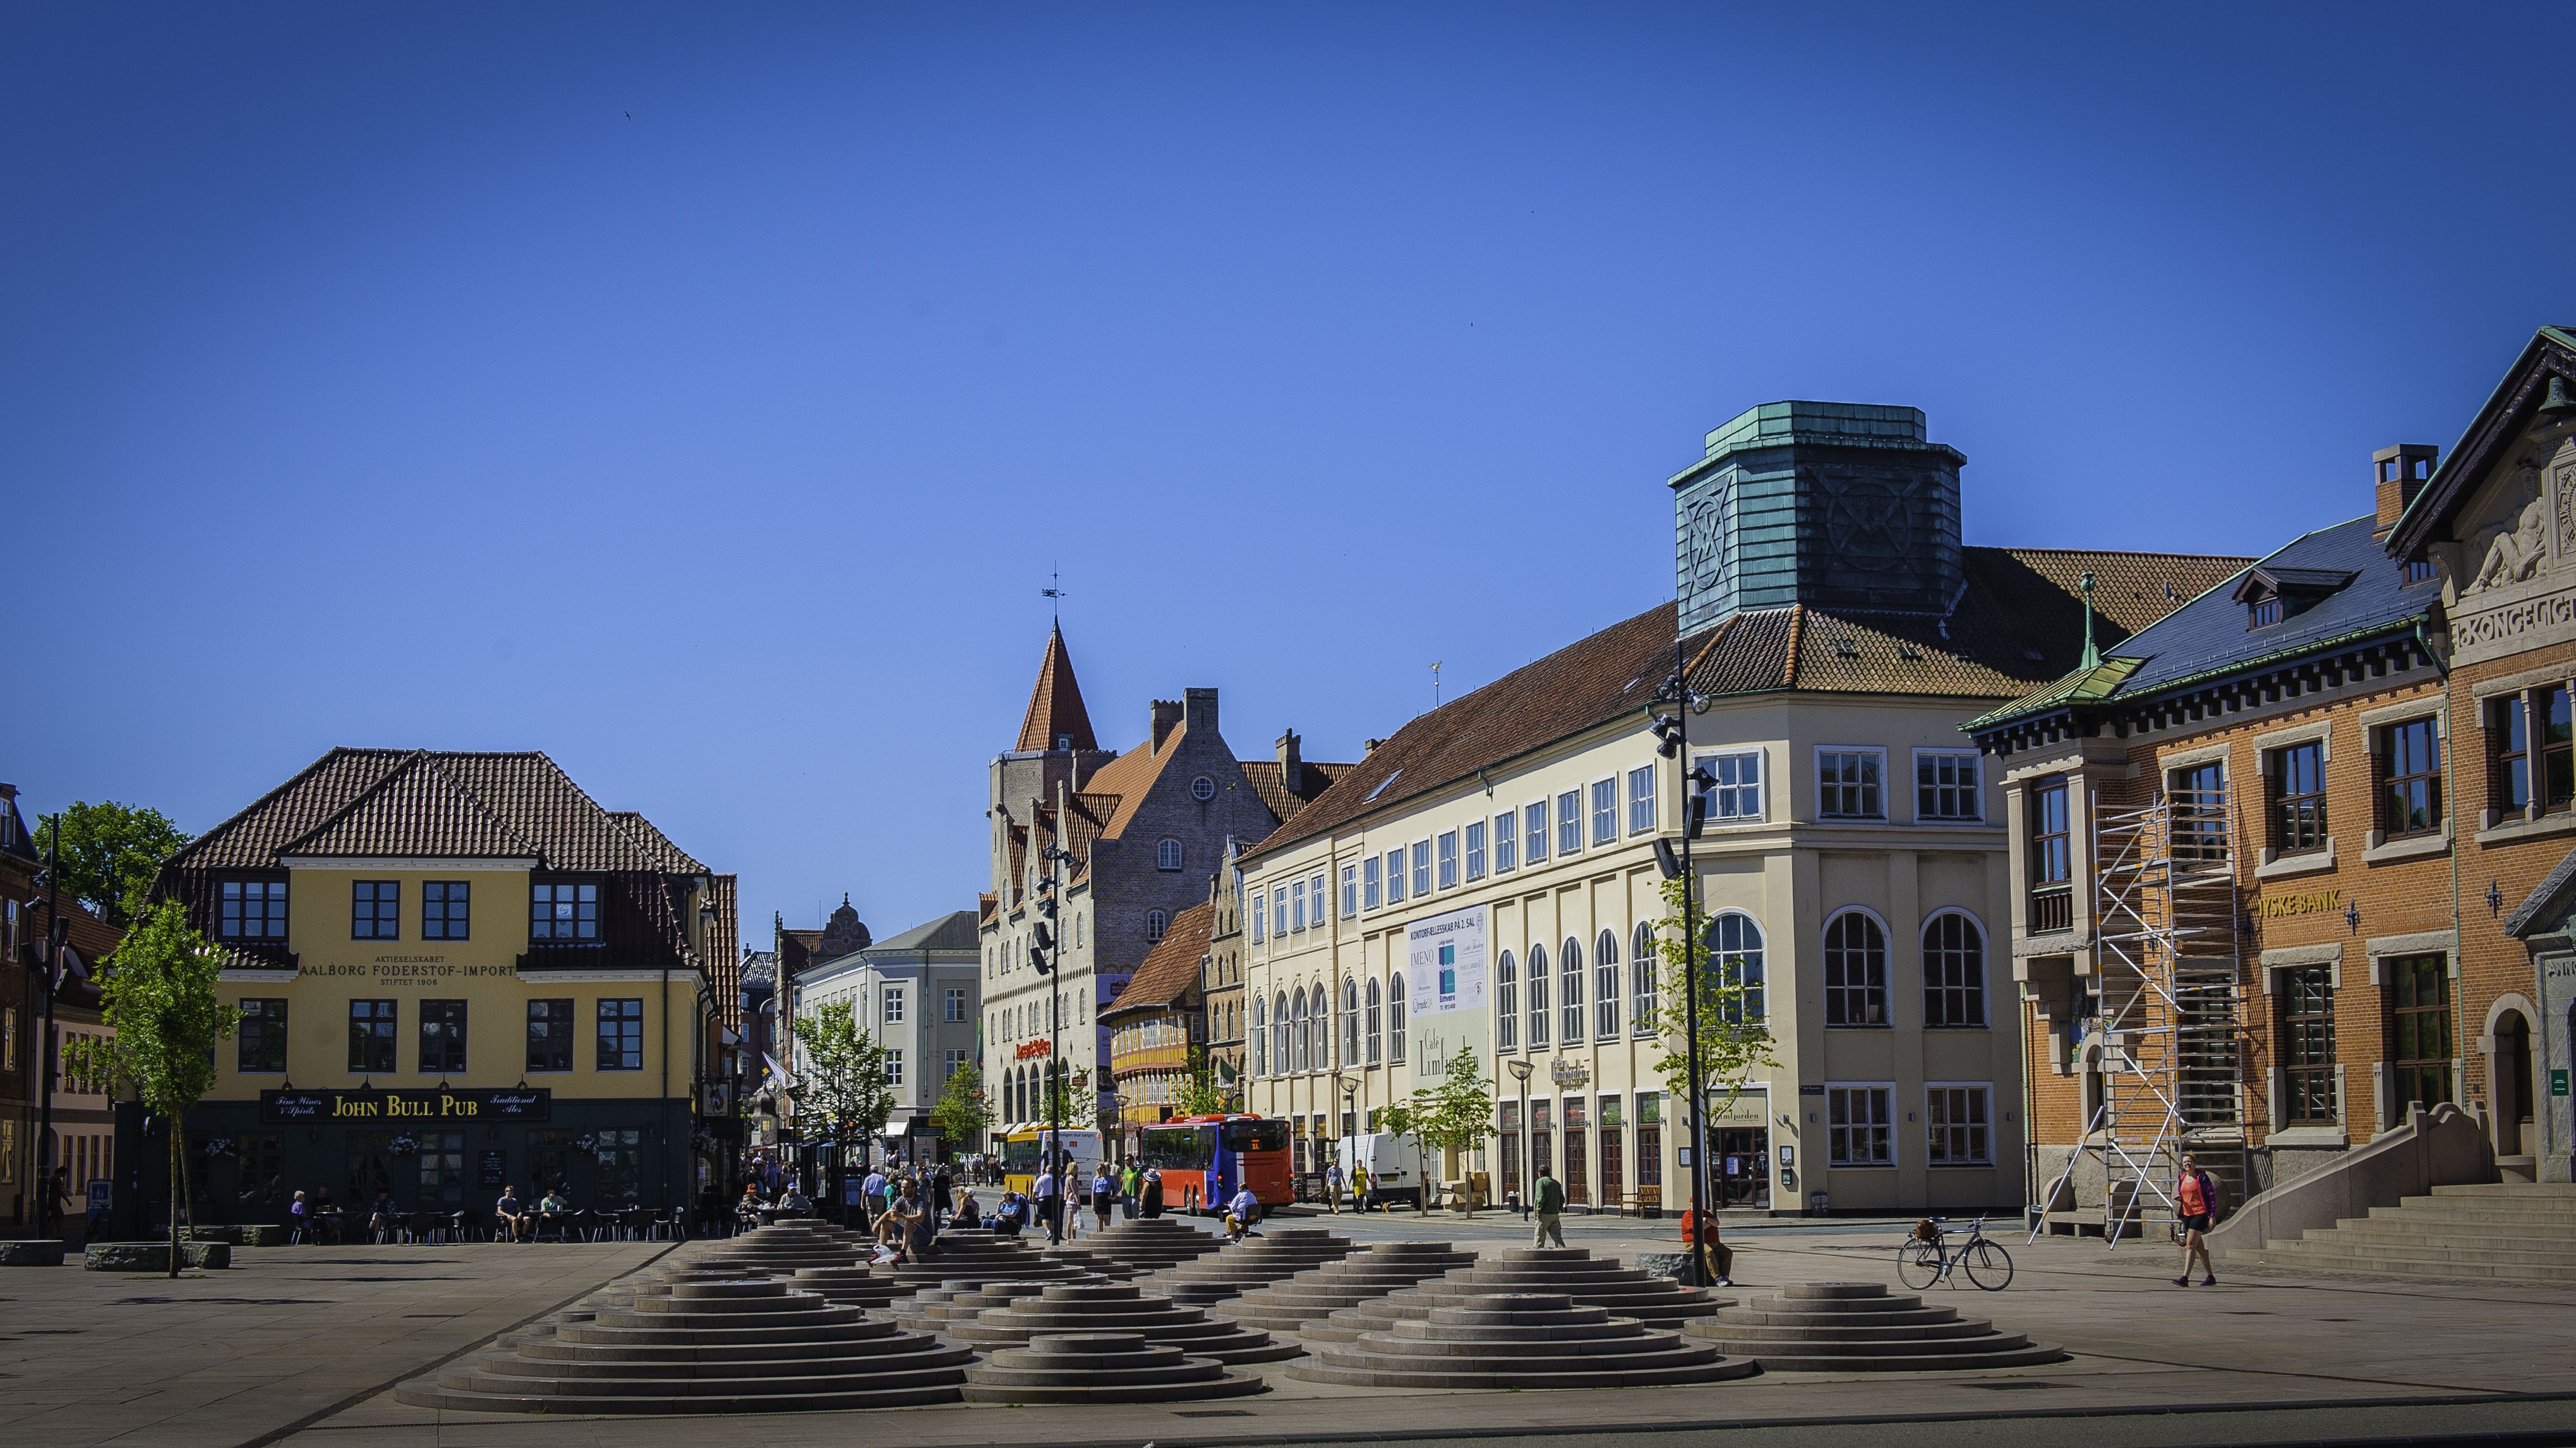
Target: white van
1394 1163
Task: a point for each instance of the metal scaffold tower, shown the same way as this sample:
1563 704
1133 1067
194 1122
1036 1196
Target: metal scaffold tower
2165 1017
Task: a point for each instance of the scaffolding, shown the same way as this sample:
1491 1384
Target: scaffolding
2164 1020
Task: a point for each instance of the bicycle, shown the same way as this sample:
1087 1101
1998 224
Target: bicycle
1926 1258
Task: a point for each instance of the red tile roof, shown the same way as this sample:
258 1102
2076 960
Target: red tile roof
1055 706
1170 968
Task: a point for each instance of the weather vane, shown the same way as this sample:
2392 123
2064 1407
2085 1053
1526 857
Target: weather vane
1055 590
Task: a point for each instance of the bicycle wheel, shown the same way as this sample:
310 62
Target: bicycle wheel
1989 1266
1918 1264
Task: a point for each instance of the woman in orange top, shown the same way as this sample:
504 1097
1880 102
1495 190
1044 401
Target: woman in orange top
1716 1259
2196 1202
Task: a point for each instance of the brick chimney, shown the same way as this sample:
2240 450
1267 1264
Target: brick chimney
2401 473
1198 711
1292 770
1167 713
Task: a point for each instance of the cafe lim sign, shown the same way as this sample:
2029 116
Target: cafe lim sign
524 1103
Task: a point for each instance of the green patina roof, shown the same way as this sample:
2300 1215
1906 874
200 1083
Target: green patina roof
2081 687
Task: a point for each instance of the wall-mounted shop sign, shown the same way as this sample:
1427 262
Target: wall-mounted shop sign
2315 902
523 1103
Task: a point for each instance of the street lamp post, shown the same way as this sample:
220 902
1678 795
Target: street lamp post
58 932
1521 1069
1680 692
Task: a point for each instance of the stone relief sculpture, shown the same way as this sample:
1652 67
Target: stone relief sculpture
2516 553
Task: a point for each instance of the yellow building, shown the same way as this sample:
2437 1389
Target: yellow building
456 972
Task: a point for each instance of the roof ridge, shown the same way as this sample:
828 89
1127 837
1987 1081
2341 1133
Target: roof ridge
1797 645
240 816
434 760
411 757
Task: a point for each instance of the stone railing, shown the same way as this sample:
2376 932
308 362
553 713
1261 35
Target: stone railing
2440 1147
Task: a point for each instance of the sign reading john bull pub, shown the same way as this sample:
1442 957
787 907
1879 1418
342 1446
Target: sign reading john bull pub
522 1103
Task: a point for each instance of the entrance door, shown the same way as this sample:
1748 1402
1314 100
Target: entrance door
1742 1177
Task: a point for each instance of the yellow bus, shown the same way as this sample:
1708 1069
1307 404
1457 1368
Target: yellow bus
1021 1148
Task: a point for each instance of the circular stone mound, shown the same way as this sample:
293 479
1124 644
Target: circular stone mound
1317 1292
1570 1271
1253 1262
959 1256
1150 1244
936 1309
747 1345
1861 1327
1517 1340
1118 1307
1100 1367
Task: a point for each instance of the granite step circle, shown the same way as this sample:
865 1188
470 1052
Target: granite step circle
1517 1340
1153 1243
1120 1307
1315 1294
1101 1367
936 1309
1254 1262
707 1346
1863 1327
1572 1272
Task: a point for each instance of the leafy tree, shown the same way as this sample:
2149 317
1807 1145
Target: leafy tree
1077 1108
1198 1093
1733 1040
1456 1115
963 1109
158 997
110 852
842 1091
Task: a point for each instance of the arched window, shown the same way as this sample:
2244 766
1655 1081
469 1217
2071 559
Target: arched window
1641 980
1735 952
1281 1062
1507 1004
1569 986
1535 1017
1855 970
1954 971
1167 854
1259 1039
1305 1037
1605 987
1077 929
1156 922
1395 1018
1350 1022
1374 1020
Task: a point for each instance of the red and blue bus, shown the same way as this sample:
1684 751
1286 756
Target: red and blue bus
1205 1160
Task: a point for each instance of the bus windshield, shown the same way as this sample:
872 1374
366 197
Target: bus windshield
1020 1155
1242 1136
1178 1148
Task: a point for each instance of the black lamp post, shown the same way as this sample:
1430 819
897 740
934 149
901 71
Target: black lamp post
1521 1069
56 939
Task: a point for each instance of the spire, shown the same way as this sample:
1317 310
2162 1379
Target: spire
2092 655
1056 718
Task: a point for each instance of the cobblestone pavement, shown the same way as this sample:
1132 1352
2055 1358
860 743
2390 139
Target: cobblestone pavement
2264 1357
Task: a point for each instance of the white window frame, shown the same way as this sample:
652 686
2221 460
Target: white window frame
1167 853
1421 868
1836 1146
1605 812
1260 917
1395 893
1535 840
1350 891
890 1002
894 1065
1569 822
1641 799
1726 802
1372 884
1866 751
1475 847
1447 859
1985 971
956 1003
1297 906
1931 1158
1977 797
1319 885
1507 838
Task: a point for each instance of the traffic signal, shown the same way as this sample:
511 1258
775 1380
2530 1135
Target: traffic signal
1668 735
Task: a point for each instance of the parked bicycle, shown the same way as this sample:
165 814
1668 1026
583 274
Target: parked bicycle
1927 1257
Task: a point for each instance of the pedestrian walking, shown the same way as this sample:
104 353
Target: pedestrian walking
1104 1196
943 1189
1050 1200
1551 1206
1360 1188
1333 1187
1129 1183
2196 1203
1151 1193
875 1194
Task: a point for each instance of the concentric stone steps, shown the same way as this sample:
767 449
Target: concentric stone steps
724 1346
1572 1272
1101 1367
1253 1262
1845 1327
1315 1294
1153 1244
966 1255
937 1309
1118 1307
1517 1340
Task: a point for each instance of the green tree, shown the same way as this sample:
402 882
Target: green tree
1198 1093
110 852
158 999
841 1095
1734 1039
1077 1109
963 1109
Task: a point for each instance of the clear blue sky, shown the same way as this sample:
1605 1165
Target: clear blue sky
704 397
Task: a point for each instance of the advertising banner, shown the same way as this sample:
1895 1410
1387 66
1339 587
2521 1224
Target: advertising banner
1444 963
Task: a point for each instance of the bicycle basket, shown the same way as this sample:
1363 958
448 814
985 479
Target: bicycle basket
1924 1231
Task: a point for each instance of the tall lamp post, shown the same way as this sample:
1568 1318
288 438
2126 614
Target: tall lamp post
57 939
1673 739
1521 1069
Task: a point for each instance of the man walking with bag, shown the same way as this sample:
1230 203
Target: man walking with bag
1550 1195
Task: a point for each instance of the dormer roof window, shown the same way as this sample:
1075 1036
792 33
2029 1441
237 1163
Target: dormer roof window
2271 594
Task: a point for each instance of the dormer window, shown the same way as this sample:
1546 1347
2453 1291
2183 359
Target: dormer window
2414 571
2263 611
2272 593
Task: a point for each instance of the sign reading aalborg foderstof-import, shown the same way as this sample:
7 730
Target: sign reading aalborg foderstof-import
522 1103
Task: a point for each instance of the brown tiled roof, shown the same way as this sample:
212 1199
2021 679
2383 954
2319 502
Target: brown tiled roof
724 950
673 859
2018 623
419 809
1125 781
1171 967
1055 706
1265 777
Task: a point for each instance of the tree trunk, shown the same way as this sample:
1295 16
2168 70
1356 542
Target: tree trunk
178 1184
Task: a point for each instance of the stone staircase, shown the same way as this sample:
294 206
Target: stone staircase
2514 1231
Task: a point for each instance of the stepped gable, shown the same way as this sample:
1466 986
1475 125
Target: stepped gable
1253 1262
1317 1292
2518 1231
1119 1307
747 1346
1570 1271
1151 1244
1101 1367
1861 1327
967 1254
1517 1340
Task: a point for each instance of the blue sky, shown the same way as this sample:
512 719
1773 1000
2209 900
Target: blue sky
704 396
